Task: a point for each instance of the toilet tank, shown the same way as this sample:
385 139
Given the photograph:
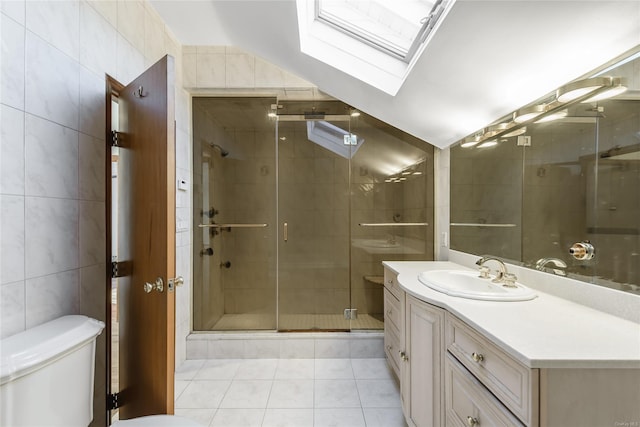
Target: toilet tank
46 374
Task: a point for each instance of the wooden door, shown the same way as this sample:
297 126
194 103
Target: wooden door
146 223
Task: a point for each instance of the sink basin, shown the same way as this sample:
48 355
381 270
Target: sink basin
468 284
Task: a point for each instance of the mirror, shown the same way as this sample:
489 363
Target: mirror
569 174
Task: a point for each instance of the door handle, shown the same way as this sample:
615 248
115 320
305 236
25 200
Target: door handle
157 285
285 231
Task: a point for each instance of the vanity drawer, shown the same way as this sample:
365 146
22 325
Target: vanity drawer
468 403
392 314
513 383
392 349
391 283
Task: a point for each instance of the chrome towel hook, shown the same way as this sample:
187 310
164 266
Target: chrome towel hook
139 93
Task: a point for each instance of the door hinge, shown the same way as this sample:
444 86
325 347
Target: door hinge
117 139
350 313
121 269
113 401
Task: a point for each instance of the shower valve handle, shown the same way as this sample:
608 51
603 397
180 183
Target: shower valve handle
207 252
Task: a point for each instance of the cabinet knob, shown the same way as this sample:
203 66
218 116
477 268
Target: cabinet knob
390 281
389 312
471 421
478 357
403 356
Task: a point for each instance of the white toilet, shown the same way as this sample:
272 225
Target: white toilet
46 377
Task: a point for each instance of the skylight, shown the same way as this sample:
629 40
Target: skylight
376 41
333 138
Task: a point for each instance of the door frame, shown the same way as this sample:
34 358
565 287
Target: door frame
112 89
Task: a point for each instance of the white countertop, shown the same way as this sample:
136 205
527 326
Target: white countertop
546 332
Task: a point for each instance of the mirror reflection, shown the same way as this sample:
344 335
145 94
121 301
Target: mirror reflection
560 191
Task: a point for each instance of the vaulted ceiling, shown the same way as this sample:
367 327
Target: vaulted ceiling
487 58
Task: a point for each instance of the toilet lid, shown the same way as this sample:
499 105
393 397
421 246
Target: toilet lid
157 421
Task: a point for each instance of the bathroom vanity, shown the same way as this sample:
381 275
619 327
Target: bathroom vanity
540 362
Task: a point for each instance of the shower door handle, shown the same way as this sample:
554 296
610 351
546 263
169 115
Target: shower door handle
285 231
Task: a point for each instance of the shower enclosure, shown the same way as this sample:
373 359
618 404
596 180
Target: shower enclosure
296 204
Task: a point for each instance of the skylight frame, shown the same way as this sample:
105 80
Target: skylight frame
380 43
355 57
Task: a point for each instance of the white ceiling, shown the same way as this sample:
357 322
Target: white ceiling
487 59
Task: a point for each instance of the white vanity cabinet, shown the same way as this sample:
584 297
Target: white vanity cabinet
469 403
489 372
460 365
513 383
393 320
422 365
414 339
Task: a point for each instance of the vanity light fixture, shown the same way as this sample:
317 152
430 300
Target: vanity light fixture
527 113
470 141
553 116
495 129
618 86
488 144
577 89
515 132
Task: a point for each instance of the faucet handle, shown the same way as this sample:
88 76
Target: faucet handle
484 272
509 280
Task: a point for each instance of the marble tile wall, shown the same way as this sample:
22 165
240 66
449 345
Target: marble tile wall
216 67
52 187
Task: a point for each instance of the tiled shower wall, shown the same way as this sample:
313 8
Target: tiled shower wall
52 184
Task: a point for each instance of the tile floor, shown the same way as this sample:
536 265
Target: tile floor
288 392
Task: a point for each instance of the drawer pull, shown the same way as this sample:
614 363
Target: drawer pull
403 356
389 312
471 421
477 357
389 347
390 281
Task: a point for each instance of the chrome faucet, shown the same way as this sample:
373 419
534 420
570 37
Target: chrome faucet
501 272
559 265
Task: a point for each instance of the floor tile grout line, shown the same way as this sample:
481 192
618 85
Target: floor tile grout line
314 382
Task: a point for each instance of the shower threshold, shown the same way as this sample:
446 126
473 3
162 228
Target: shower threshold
272 344
297 322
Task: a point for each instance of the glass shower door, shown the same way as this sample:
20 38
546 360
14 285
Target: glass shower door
234 215
391 211
313 218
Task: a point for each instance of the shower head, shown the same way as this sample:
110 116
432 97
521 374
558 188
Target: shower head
223 152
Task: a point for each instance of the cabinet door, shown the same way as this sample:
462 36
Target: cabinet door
422 367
